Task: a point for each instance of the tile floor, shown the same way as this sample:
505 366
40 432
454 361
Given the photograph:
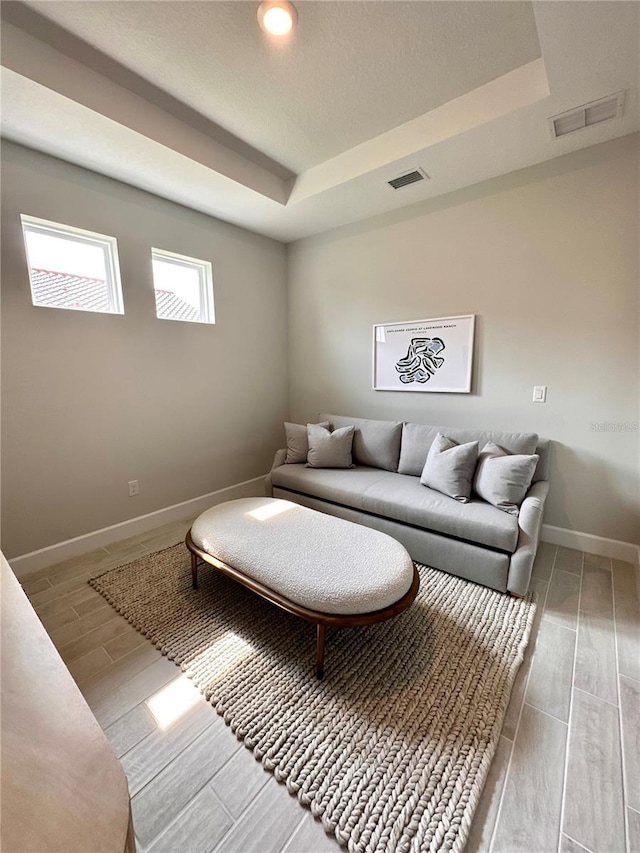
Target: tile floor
565 778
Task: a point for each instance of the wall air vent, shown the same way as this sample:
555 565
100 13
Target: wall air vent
408 178
587 115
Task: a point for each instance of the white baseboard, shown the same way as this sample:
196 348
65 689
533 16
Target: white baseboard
35 560
614 548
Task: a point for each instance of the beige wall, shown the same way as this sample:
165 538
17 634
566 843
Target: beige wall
548 261
91 401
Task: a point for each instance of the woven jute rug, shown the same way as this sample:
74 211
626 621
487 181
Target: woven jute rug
392 749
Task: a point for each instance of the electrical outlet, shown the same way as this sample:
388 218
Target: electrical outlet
134 488
539 393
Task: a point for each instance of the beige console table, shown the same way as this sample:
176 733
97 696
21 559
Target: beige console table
63 789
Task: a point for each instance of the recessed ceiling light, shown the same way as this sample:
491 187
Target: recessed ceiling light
277 17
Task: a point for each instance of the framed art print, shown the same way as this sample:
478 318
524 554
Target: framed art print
424 355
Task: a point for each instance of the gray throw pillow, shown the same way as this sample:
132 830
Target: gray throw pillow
449 467
503 478
297 442
329 449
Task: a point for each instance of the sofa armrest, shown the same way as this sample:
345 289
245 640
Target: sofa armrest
530 525
278 460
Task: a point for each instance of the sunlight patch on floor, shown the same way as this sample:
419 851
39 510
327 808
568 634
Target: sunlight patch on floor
178 697
173 701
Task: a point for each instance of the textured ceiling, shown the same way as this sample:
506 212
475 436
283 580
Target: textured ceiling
353 70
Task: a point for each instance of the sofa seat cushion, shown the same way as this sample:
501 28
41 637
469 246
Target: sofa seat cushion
404 498
330 484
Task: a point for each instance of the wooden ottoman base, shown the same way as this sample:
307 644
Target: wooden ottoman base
321 620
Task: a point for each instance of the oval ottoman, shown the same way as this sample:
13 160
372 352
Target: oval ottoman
316 566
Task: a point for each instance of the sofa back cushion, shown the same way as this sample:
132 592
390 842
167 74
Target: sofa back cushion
418 438
543 468
375 443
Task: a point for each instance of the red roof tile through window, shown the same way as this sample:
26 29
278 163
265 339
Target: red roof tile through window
63 290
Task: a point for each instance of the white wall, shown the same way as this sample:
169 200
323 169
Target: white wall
91 401
547 259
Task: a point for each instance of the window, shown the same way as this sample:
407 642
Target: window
72 268
184 287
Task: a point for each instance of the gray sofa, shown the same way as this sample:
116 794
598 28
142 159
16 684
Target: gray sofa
475 540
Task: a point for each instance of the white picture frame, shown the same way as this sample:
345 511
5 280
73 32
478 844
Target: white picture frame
434 356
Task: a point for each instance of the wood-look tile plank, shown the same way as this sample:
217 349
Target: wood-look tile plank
165 536
310 837
568 845
120 671
93 639
540 588
630 716
561 604
123 552
529 818
124 644
628 638
197 829
597 560
31 586
520 683
626 581
59 619
596 670
95 602
267 824
626 586
157 805
239 781
112 695
60 595
159 748
516 699
77 566
543 563
596 597
65 633
130 729
593 795
633 830
86 666
69 563
549 687
484 819
569 560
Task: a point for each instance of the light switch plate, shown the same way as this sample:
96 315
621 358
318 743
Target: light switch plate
539 393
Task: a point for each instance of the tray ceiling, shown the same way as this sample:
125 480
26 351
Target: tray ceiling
190 100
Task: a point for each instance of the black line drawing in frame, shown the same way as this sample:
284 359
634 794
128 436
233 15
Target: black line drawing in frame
421 361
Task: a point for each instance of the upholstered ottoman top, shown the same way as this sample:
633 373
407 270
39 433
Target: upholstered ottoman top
315 560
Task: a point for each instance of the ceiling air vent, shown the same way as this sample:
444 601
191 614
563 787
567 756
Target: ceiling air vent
408 178
587 115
